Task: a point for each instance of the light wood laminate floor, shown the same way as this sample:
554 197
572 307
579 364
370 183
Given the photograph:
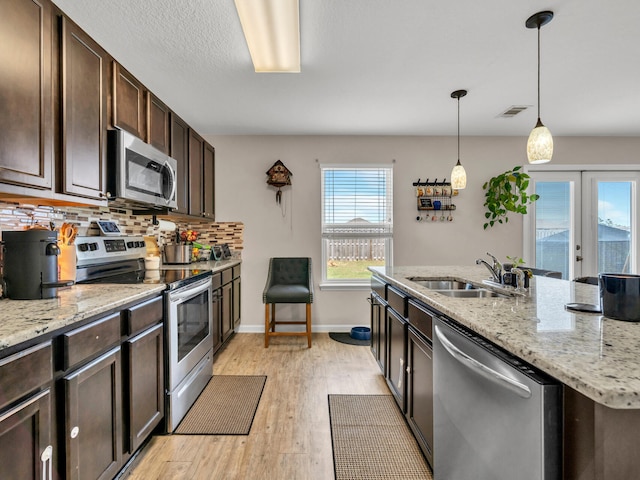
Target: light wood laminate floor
290 437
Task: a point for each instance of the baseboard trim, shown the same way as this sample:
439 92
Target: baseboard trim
314 329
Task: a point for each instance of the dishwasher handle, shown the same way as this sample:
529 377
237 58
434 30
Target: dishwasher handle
481 369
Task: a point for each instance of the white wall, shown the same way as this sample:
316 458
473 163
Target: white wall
293 229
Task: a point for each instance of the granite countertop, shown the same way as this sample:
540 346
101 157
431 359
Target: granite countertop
597 356
24 320
213 265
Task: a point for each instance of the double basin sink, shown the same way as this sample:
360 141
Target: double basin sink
455 288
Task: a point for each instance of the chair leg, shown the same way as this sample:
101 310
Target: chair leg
309 324
266 325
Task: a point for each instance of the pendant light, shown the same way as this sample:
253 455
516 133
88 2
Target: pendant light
540 143
458 175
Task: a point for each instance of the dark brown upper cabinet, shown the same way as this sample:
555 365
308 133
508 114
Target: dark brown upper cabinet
129 103
180 152
208 184
26 123
84 85
196 174
157 123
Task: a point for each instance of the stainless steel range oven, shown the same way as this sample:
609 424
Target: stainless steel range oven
189 339
188 313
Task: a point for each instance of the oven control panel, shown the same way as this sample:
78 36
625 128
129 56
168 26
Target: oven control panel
97 250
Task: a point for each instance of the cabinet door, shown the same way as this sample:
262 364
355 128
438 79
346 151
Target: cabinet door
377 317
396 375
93 419
157 123
420 392
26 122
216 300
145 385
129 102
180 152
208 182
196 153
236 303
84 113
25 434
226 311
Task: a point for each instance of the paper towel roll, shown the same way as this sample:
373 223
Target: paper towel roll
166 226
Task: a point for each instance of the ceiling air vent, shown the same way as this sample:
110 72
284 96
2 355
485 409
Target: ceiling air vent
513 110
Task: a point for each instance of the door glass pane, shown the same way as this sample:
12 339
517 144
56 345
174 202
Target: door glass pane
553 226
614 227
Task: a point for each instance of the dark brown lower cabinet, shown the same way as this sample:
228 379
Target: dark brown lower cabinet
378 330
420 391
93 419
144 399
217 319
236 302
25 436
226 313
397 356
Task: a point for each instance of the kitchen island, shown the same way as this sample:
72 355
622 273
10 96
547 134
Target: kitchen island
595 358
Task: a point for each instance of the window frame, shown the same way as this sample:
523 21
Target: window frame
354 284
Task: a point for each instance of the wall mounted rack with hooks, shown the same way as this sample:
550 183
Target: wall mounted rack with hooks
433 198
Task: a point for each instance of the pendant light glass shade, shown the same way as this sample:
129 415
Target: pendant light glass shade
458 174
458 177
540 143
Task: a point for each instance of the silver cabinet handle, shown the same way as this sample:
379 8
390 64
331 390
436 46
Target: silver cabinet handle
74 432
45 458
400 373
481 369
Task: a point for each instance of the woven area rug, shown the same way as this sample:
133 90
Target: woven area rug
344 337
226 406
371 440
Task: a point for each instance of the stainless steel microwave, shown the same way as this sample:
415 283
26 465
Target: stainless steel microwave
140 175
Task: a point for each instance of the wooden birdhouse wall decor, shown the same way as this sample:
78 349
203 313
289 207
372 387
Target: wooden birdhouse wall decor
278 176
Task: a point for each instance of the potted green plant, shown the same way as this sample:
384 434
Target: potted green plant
505 193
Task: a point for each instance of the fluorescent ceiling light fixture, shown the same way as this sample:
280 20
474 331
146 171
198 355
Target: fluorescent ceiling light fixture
272 31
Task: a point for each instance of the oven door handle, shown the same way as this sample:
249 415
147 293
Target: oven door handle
189 291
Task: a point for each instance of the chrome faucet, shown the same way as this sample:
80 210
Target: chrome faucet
496 269
497 266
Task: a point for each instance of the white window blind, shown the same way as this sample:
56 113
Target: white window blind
357 201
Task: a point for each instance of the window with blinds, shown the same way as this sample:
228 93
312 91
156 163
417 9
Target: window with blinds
357 221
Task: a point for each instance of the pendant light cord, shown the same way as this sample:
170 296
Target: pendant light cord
538 72
458 129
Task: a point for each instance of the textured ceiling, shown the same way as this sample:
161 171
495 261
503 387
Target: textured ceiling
384 67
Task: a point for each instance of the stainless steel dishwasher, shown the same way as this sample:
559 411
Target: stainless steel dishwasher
495 417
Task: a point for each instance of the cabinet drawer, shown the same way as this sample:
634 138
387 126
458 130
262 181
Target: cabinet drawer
143 315
397 300
91 339
216 281
25 372
236 271
420 318
227 275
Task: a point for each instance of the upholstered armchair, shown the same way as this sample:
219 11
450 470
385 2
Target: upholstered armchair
289 281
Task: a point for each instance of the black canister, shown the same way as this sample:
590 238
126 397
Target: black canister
620 296
31 264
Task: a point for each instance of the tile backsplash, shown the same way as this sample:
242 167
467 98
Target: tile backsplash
19 217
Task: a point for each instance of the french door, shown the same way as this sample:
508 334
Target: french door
584 223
